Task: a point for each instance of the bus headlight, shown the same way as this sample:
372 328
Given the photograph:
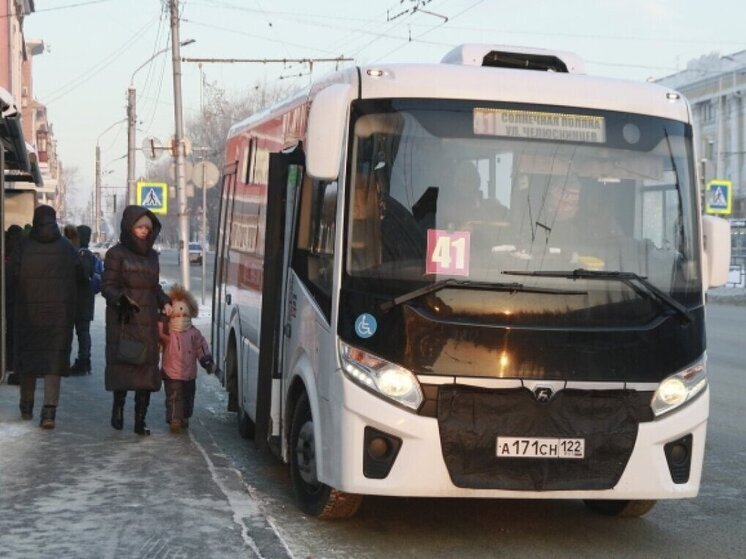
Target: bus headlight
380 376
680 388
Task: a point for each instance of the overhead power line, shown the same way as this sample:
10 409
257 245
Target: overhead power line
309 61
268 60
98 67
254 35
66 7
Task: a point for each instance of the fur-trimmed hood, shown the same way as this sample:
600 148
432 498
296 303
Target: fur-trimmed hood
129 217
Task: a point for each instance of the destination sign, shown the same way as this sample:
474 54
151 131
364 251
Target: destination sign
539 125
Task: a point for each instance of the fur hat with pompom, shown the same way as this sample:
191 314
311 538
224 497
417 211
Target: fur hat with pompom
178 293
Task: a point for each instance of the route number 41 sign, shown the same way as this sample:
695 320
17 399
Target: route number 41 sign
447 252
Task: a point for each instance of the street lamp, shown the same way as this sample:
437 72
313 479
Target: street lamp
132 120
97 191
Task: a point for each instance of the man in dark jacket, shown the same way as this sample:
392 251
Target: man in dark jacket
45 271
85 303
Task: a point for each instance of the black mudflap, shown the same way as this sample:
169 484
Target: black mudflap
470 420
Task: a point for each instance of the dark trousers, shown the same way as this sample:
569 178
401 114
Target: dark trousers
179 398
51 389
9 340
83 330
142 397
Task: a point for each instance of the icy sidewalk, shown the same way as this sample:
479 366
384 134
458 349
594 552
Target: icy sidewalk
86 490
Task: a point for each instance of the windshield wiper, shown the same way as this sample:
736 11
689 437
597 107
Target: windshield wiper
468 284
680 212
628 278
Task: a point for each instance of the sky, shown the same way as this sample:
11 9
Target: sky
96 48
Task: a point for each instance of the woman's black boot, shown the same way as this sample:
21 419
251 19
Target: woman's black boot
142 399
117 410
27 410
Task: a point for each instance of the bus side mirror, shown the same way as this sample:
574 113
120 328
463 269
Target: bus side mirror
716 253
326 132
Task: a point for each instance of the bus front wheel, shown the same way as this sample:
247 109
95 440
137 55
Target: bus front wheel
313 497
622 508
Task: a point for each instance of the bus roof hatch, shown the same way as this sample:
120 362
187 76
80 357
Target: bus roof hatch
501 56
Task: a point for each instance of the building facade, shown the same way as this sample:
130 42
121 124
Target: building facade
17 77
715 86
12 47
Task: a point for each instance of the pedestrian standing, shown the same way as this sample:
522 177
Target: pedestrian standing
134 298
183 345
86 300
45 272
13 237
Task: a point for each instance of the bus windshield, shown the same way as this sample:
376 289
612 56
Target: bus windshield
442 189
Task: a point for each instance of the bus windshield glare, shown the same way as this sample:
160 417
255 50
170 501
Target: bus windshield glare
454 189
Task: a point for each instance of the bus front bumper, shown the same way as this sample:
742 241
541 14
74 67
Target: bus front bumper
419 468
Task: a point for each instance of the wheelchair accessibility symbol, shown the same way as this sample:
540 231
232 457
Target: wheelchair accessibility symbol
365 325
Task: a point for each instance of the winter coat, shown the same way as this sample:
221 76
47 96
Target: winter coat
131 269
45 275
86 298
13 237
181 351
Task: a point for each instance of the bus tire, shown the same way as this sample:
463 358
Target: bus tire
313 497
621 508
231 377
245 424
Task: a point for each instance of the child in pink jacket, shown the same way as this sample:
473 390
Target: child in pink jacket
183 345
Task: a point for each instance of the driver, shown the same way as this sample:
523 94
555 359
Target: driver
461 204
582 233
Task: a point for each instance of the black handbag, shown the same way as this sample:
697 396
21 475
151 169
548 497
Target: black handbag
129 351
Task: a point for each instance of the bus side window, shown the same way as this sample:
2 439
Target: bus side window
313 258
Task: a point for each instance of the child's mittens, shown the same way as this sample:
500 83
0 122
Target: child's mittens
208 364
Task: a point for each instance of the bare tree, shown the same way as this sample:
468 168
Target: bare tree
208 132
72 208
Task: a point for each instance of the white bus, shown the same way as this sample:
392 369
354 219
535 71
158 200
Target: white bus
480 278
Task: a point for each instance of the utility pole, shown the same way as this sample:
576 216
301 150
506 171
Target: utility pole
721 106
204 189
97 197
178 147
719 158
97 189
131 134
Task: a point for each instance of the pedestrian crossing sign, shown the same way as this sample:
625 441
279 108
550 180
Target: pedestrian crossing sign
153 196
719 196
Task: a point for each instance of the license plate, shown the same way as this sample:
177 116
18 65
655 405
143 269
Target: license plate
540 447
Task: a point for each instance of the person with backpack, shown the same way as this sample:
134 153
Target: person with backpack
92 268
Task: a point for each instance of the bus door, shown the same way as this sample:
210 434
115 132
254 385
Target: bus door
285 175
221 302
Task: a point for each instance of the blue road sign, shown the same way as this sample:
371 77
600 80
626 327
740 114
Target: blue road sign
153 196
719 197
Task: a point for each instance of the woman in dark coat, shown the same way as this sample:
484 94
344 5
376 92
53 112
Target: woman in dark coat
45 271
134 298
